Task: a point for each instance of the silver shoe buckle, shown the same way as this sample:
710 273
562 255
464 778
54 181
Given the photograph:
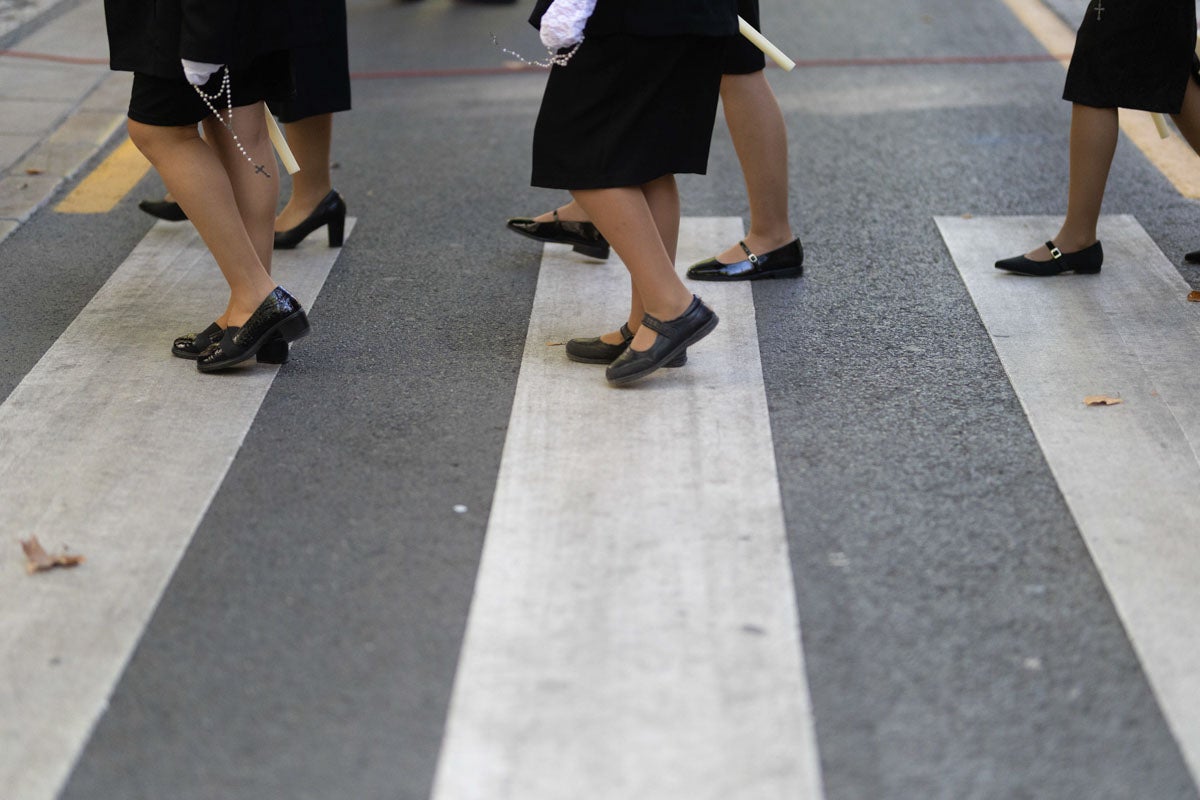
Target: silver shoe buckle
1055 253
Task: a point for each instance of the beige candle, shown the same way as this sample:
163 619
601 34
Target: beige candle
760 41
281 145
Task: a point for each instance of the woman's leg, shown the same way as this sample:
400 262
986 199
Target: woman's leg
1188 118
194 173
1093 142
310 139
630 218
759 137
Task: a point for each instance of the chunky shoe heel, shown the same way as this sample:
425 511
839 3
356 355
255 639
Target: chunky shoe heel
330 211
294 327
273 352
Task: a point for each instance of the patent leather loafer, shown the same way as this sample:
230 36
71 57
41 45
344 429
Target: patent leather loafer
330 212
163 209
782 262
597 351
674 337
1084 262
278 317
583 237
192 345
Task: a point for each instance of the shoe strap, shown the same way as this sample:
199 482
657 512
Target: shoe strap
555 213
753 259
626 334
669 328
1055 253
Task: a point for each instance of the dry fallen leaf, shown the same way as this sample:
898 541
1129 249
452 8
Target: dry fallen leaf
555 344
34 171
968 216
38 560
1102 400
1194 297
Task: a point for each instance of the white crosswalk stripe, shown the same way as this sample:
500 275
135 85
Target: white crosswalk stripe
634 630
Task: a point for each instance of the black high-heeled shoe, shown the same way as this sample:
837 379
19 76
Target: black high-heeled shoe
331 211
1085 262
279 317
192 345
595 350
163 209
584 237
674 336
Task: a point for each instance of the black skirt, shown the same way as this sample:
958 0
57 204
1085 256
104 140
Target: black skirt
627 110
322 77
172 102
1132 54
742 57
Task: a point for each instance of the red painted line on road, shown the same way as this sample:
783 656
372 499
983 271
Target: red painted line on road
402 74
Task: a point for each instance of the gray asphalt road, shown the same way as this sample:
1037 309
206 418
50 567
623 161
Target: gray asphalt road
307 644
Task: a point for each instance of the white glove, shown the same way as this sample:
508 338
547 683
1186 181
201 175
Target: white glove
198 72
563 23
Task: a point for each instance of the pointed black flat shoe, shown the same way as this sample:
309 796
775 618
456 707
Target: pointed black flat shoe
782 262
674 337
1085 262
597 351
583 237
279 317
331 211
192 345
163 209
1192 257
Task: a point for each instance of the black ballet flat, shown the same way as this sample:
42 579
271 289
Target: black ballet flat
192 345
1192 257
279 317
597 351
163 209
674 337
583 237
1085 262
331 211
782 262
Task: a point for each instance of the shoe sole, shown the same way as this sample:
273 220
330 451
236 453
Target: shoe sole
691 340
788 272
678 361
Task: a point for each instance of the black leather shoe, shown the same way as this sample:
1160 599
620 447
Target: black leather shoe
583 237
597 351
674 337
1085 262
782 262
1192 257
163 209
330 211
278 317
191 345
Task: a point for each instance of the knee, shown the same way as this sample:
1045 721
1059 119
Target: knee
153 140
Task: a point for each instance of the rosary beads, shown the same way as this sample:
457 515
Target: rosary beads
227 89
555 59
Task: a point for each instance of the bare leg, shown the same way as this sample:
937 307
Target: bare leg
193 172
760 139
256 194
1188 118
1093 142
571 212
628 217
310 140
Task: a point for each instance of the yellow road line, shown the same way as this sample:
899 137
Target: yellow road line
1173 158
99 192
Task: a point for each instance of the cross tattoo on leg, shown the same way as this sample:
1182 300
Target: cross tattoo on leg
260 169
1100 9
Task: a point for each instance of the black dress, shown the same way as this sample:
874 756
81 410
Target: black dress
149 37
320 61
742 57
1133 54
638 99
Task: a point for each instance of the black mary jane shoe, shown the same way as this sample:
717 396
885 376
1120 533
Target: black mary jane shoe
192 345
674 337
782 262
597 351
583 237
163 209
331 211
1085 262
279 317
